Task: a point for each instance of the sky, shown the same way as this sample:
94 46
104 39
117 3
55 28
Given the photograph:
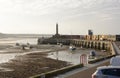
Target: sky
72 16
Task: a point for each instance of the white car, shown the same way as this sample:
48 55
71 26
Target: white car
107 72
112 71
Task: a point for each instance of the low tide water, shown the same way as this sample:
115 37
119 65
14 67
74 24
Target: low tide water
72 57
18 40
4 56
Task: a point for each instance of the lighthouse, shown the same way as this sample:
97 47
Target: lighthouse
57 31
56 28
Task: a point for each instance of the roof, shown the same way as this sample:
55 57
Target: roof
107 67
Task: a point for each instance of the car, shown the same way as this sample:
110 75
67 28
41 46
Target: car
72 48
111 71
107 72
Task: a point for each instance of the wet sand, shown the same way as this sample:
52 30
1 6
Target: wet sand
32 63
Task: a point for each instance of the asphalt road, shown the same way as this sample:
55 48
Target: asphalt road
87 73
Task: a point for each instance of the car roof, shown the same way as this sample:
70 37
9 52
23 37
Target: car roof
107 67
115 61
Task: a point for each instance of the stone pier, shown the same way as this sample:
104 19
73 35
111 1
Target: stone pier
96 44
100 45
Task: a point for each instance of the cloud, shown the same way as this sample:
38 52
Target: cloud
87 11
41 7
62 8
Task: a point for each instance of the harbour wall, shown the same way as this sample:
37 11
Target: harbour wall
95 44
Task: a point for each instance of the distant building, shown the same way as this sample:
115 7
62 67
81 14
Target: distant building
117 37
90 32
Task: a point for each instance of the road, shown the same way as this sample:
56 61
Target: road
87 73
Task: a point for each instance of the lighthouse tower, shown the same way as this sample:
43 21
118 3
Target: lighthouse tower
57 31
56 28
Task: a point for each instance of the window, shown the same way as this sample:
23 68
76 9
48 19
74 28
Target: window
112 72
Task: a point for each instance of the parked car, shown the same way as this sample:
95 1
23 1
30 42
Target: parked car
111 71
107 72
72 48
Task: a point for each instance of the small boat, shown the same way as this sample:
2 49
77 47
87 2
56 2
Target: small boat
72 48
93 53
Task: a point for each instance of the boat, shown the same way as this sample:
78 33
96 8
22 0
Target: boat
72 47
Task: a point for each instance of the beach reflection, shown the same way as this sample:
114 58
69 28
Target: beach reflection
72 57
6 57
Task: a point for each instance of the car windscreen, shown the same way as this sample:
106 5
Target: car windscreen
111 72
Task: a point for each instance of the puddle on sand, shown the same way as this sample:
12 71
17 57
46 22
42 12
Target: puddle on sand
5 69
6 57
68 56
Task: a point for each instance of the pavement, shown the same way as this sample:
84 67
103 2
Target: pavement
84 72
